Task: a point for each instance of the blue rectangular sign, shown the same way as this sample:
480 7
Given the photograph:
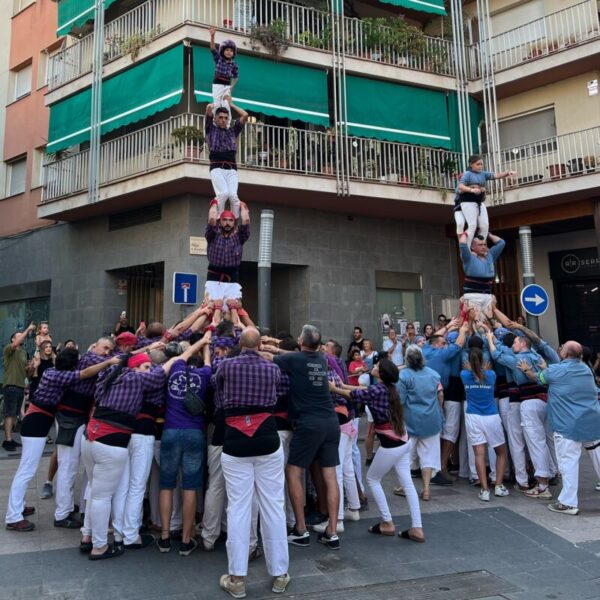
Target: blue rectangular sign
185 288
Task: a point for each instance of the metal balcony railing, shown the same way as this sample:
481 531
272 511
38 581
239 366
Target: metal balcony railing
307 27
551 33
554 158
265 147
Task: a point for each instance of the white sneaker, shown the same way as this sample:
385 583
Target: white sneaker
351 515
597 488
484 495
280 583
322 527
501 491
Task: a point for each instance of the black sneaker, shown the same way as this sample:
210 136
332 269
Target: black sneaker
145 540
439 479
163 545
299 539
331 541
9 446
187 549
68 523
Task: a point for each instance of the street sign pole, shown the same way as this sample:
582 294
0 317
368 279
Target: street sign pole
528 272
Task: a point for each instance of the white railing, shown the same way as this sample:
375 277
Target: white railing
268 147
554 158
304 26
551 33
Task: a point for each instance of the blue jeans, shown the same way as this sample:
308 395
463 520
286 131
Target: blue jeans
182 449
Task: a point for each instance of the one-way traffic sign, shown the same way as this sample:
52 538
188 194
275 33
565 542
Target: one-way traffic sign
534 299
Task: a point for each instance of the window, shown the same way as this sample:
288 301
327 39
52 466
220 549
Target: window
37 171
22 82
15 176
538 126
19 5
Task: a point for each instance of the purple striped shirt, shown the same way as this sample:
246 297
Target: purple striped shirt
377 398
334 378
224 69
87 386
248 380
222 139
225 251
52 386
127 390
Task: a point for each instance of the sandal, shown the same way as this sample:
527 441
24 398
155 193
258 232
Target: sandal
85 547
376 529
406 535
110 552
425 495
399 491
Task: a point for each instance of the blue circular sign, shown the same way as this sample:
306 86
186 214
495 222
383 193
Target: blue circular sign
534 299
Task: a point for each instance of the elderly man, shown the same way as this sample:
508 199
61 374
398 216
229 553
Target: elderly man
72 414
532 397
316 433
252 462
222 144
393 346
573 415
480 271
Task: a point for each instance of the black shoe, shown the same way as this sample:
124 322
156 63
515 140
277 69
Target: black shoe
85 547
163 545
299 539
439 479
331 541
364 505
9 446
187 549
145 540
110 552
68 523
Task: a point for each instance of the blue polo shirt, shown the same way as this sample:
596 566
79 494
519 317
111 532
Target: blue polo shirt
479 395
440 360
422 411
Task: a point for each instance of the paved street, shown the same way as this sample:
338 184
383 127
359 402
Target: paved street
513 548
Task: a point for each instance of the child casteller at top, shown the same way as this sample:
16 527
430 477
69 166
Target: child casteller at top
226 70
469 200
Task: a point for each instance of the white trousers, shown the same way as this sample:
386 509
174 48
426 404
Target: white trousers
285 437
263 475
68 468
568 454
218 290
219 92
398 459
225 186
477 220
154 493
459 219
516 443
452 414
594 455
127 505
538 437
344 473
356 457
215 502
31 454
426 452
104 466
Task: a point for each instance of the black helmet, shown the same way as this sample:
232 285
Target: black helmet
227 44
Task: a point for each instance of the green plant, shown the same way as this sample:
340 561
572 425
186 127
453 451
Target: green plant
420 179
308 38
449 166
132 45
273 37
188 133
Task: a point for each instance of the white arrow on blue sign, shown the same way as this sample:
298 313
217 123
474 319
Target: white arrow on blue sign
185 288
534 299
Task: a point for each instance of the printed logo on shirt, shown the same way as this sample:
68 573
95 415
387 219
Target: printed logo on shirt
178 384
317 374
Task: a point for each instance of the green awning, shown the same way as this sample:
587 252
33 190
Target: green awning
266 86
76 13
476 116
429 6
396 112
140 91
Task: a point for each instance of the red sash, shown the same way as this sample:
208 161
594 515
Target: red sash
70 409
98 429
341 409
248 424
140 416
387 430
285 415
36 409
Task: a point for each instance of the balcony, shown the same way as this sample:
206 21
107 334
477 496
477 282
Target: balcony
307 158
368 39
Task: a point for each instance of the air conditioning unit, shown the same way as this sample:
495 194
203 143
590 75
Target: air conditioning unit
450 306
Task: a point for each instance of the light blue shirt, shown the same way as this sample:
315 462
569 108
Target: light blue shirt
440 360
422 411
396 356
573 407
474 266
505 356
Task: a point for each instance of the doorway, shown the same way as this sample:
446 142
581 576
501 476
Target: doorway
145 292
578 309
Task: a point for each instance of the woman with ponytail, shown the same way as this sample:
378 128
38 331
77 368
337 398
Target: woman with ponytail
384 402
482 420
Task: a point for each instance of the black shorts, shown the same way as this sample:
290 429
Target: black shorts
315 439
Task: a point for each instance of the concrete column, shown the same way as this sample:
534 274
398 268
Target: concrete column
528 272
265 249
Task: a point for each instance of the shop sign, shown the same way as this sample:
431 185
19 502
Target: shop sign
574 264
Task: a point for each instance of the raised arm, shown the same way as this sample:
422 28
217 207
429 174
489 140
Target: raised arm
240 111
21 336
93 370
213 213
244 213
212 32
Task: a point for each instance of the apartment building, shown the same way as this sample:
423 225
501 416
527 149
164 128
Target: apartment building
362 114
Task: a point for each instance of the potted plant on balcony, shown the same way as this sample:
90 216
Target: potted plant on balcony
557 171
536 49
192 139
273 37
589 163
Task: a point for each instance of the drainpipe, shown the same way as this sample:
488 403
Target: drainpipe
528 272
265 248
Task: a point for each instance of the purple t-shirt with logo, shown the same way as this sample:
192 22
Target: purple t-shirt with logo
176 416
